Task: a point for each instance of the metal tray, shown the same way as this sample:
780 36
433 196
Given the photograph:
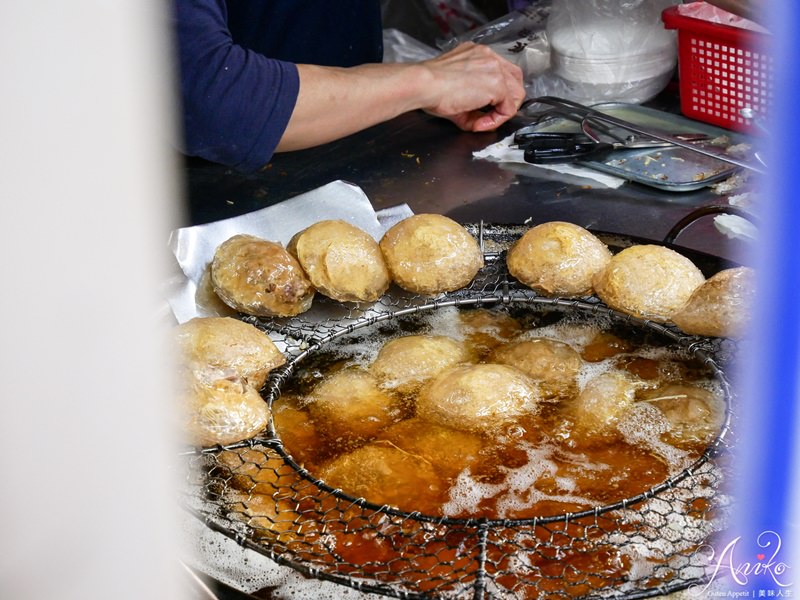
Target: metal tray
672 169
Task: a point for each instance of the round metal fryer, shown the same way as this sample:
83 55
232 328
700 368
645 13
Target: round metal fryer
667 526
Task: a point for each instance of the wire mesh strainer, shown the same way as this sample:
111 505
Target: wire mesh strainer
648 544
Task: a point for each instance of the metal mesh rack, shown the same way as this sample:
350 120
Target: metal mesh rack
646 545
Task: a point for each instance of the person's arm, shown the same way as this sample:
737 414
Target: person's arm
470 85
240 107
235 102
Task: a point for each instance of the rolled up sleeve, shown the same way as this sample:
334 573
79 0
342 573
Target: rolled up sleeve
236 103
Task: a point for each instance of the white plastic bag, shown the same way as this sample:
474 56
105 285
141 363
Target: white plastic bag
518 36
607 50
588 51
399 47
712 14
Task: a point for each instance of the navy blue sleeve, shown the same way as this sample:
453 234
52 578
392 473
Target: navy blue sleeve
236 102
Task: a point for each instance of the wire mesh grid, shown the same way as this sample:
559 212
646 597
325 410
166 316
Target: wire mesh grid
646 545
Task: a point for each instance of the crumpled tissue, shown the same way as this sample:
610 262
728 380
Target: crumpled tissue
736 228
505 152
194 247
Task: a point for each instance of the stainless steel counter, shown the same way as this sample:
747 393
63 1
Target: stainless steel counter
427 163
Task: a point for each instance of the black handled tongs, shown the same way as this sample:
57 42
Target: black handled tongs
548 147
544 147
588 117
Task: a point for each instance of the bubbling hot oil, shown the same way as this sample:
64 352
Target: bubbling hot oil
539 465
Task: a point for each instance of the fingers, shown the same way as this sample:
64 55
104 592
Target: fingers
502 108
477 121
507 107
471 77
489 121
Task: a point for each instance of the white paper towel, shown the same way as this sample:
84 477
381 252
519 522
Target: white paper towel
736 228
194 247
504 152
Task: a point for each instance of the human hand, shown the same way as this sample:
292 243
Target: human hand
469 79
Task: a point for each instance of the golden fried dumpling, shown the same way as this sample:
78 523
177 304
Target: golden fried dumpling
270 518
257 470
222 412
383 474
259 277
213 347
256 492
721 306
430 254
405 363
207 300
553 364
603 401
342 261
694 414
478 397
648 281
223 363
449 450
350 403
558 259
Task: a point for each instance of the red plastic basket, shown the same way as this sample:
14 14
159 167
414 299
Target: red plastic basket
722 70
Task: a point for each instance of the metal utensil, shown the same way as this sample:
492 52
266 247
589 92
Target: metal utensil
596 116
597 131
632 141
546 147
549 148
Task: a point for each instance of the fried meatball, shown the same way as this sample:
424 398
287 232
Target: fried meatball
558 259
554 365
222 345
478 398
256 470
383 474
351 404
342 261
270 519
207 300
721 306
222 412
648 281
430 254
405 363
223 362
603 401
259 277
695 414
256 493
448 450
